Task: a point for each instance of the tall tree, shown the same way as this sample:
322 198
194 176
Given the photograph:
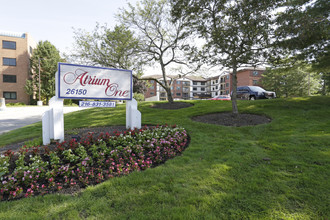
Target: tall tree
296 80
117 48
163 41
303 30
44 59
237 33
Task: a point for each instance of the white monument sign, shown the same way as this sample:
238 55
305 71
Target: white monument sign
89 82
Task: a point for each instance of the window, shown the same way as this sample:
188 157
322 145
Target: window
9 45
203 83
178 88
195 83
202 89
162 94
152 93
9 78
152 81
216 81
178 94
9 61
152 87
9 95
255 73
255 82
195 89
31 50
178 82
185 95
186 83
227 84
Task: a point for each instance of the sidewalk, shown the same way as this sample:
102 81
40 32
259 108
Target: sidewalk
17 117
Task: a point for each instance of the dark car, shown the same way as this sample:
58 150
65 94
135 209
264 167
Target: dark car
253 93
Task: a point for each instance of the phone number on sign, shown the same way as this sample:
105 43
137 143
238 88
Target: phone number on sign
76 92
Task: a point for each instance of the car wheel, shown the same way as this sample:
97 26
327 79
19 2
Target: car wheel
252 98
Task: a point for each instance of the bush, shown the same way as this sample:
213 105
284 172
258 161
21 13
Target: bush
138 97
46 169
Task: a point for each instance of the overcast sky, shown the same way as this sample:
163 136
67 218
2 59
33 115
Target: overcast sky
54 20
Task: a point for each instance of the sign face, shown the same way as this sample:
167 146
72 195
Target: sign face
89 82
97 104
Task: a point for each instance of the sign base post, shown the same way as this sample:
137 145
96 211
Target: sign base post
133 115
53 121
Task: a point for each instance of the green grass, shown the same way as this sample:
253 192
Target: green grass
221 175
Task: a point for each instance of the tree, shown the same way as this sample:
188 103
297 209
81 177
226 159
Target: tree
45 58
117 48
237 33
303 31
162 41
297 80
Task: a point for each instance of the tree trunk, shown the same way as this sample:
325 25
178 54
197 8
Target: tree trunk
234 89
167 86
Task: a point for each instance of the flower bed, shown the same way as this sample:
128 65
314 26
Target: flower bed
76 164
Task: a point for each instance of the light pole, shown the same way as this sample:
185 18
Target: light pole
39 103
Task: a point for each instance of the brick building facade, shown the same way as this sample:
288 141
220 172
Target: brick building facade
195 87
15 52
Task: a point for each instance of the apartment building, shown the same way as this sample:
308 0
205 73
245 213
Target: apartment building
15 52
249 76
196 87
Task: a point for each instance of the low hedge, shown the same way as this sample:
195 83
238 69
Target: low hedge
70 166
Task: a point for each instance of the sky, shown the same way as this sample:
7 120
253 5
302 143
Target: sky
54 20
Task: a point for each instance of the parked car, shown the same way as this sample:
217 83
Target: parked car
253 93
221 97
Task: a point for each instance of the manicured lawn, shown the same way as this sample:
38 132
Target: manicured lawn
279 170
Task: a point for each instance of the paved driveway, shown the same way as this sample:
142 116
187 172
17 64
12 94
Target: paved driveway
16 117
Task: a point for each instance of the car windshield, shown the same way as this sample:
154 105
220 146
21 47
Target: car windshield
256 89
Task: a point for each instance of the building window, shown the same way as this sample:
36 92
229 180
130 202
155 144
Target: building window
195 89
152 93
178 88
152 87
255 73
195 83
152 81
9 95
9 61
178 94
216 81
177 82
186 83
185 95
162 94
203 83
227 84
9 45
202 89
255 82
9 78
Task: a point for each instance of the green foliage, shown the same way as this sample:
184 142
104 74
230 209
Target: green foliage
237 33
298 80
278 170
117 48
138 96
303 31
162 40
48 56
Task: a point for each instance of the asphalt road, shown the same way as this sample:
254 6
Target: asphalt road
17 117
